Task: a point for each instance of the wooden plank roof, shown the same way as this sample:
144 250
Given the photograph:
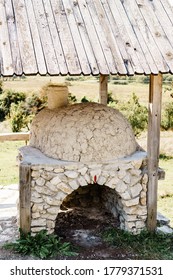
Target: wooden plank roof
60 37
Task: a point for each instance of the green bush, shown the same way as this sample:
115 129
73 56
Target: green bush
8 97
42 245
167 117
21 114
136 113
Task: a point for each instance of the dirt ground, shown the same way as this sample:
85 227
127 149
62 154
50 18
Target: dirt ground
83 228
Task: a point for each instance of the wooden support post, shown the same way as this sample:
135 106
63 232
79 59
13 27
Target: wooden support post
103 90
25 197
154 119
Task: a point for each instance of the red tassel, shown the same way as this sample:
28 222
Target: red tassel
95 178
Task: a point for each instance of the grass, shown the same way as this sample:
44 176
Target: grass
146 246
8 164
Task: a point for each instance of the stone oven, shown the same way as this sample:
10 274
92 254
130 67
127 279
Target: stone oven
78 155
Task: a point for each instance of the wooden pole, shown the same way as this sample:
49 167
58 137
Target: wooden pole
103 90
153 145
25 197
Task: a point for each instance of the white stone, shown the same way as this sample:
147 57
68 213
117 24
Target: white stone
83 170
143 194
121 187
53 210
35 215
126 195
58 170
56 180
135 172
121 174
50 224
134 180
52 187
49 168
131 202
145 179
36 229
127 179
71 174
87 178
38 222
129 218
101 180
64 187
82 182
162 219
52 201
40 182
137 163
135 190
47 175
35 194
140 224
35 174
74 166
143 201
165 230
112 182
74 184
60 196
37 208
95 172
37 199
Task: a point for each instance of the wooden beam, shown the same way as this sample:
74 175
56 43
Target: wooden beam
153 146
25 197
103 90
16 136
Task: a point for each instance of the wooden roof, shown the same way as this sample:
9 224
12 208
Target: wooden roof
60 37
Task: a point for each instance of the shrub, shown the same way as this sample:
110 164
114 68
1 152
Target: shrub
42 245
21 114
1 88
8 97
136 113
167 117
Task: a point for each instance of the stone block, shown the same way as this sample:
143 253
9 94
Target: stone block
37 208
121 187
58 170
64 188
112 182
135 190
35 174
165 230
53 210
125 195
82 182
35 215
143 201
101 180
140 224
38 222
52 201
131 202
36 199
51 187
50 224
56 180
71 174
40 181
121 174
74 184
127 179
83 170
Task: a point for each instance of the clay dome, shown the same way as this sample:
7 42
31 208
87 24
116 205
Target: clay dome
85 132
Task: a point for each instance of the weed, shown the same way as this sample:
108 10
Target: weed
42 245
147 245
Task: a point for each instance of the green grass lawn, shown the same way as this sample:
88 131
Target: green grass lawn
8 164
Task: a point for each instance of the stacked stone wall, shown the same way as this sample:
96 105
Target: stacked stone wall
52 183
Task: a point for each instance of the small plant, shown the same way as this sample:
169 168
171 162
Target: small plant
145 245
84 99
42 245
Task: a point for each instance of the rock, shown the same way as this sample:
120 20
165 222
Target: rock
126 195
165 230
40 182
82 181
71 174
74 184
64 188
135 190
121 187
38 222
162 220
56 180
131 202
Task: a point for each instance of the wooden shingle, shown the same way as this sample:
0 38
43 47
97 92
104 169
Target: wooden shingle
89 37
